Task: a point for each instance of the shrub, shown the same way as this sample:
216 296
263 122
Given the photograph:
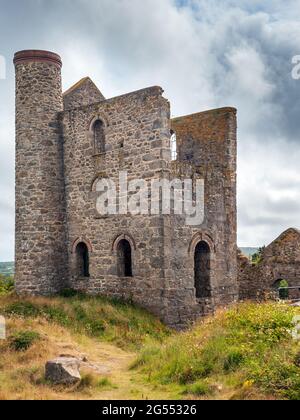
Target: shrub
23 309
23 340
6 284
233 361
283 291
199 389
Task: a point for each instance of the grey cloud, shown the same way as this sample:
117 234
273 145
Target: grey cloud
205 54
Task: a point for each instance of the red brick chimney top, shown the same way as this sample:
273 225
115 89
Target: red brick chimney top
28 56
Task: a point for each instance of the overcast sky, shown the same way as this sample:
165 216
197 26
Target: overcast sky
205 54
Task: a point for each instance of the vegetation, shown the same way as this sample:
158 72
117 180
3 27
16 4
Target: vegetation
244 352
6 284
112 321
258 256
283 290
23 340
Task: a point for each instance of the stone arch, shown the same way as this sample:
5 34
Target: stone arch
99 116
119 238
198 237
123 248
97 131
83 240
124 259
96 178
202 270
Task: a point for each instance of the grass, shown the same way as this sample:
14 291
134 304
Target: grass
246 352
6 284
110 320
23 340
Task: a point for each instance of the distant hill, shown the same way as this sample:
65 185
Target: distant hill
249 251
7 268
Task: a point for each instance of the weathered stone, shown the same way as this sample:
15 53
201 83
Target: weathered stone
62 242
280 261
63 371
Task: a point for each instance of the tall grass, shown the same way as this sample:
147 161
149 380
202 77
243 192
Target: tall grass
248 346
110 320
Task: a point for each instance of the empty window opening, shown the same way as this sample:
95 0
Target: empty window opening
283 288
82 260
124 259
99 137
202 270
173 142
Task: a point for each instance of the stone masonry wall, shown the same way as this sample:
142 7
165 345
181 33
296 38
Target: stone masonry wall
136 131
85 92
40 214
58 167
208 142
280 261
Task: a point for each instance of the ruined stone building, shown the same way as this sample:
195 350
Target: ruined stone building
66 142
279 261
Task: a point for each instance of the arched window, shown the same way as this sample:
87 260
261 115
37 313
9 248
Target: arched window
282 287
173 142
124 259
99 137
202 270
82 260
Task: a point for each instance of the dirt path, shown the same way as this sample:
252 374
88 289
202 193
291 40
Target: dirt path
125 383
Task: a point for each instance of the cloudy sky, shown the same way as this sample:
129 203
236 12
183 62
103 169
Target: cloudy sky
205 54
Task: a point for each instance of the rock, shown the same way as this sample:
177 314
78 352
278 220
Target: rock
63 371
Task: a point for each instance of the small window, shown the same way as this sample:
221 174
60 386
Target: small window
173 142
99 137
124 259
202 270
82 260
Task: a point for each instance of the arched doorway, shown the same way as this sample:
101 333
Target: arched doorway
282 287
82 260
202 270
124 253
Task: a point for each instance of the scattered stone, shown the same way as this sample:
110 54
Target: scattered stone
63 371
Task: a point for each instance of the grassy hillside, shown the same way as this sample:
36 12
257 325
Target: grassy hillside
244 352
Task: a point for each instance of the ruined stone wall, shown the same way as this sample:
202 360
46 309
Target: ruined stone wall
280 261
208 142
40 218
136 133
82 93
58 167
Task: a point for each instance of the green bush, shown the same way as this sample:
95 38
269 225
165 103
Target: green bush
23 309
6 284
283 291
23 340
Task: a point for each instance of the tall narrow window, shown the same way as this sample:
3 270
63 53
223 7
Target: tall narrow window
202 270
173 142
99 137
82 260
124 259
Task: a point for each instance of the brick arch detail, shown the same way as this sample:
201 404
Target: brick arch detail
120 238
79 240
201 237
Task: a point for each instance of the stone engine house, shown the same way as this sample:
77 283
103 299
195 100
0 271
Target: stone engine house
66 142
